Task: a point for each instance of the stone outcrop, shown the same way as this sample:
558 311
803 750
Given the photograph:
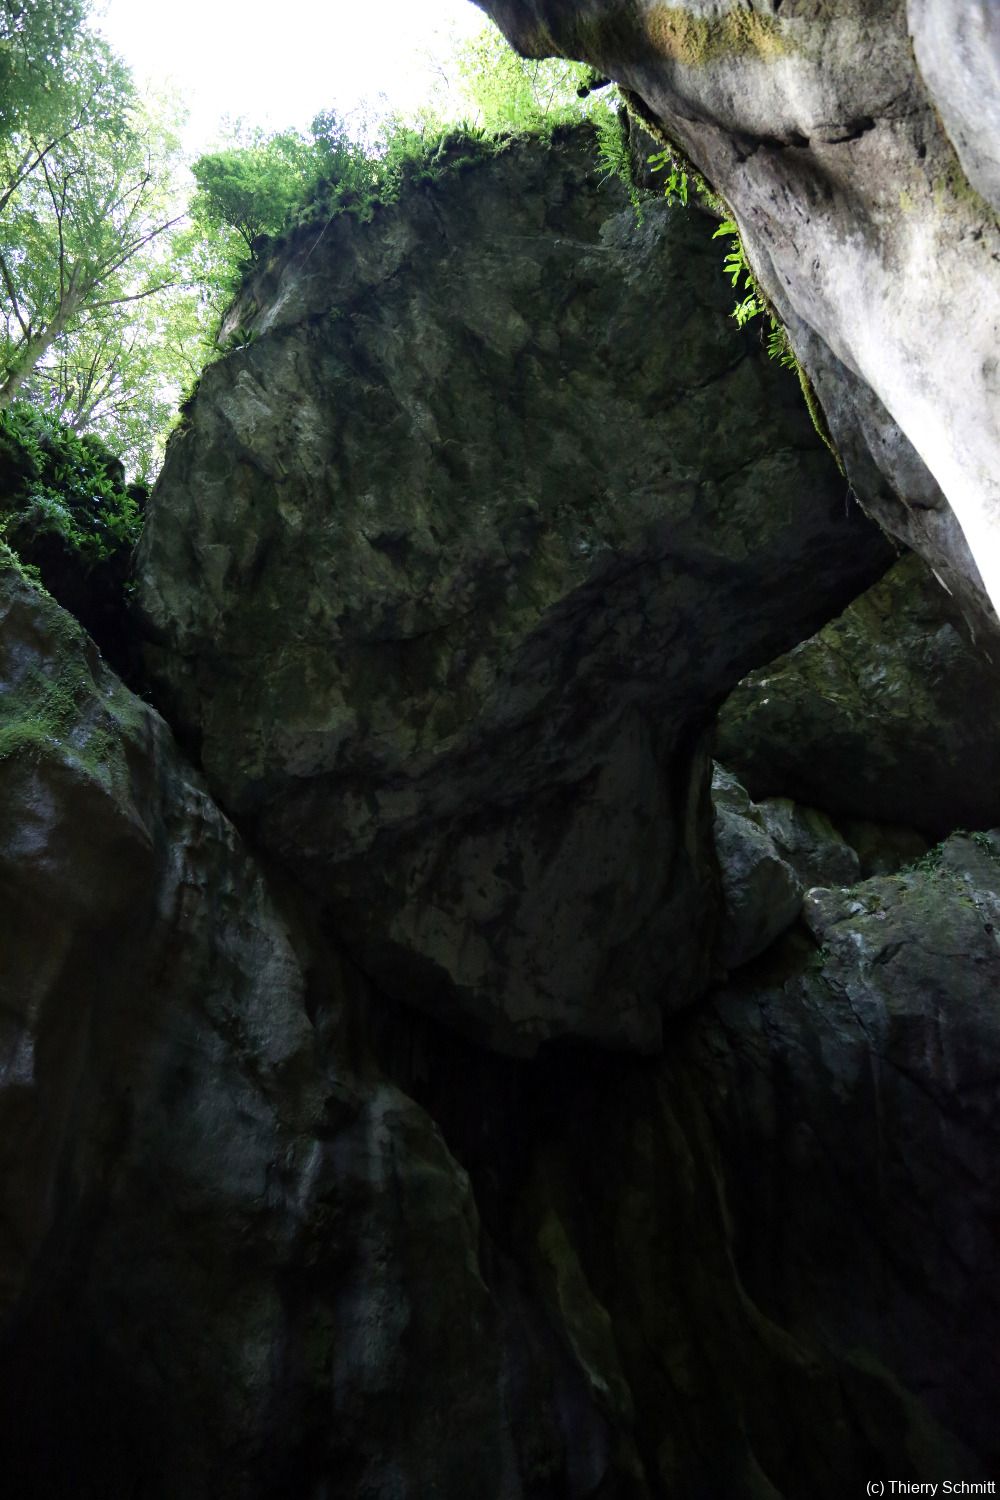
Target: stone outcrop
887 715
228 1256
265 1233
451 566
795 1305
856 143
269 1231
770 853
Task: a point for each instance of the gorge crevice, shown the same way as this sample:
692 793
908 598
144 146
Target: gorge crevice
456 1086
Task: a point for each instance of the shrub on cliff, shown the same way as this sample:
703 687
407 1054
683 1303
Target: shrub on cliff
68 513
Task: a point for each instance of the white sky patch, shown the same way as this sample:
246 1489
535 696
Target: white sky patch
279 65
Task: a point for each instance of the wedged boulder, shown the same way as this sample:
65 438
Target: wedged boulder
453 563
232 1262
857 146
780 1240
887 715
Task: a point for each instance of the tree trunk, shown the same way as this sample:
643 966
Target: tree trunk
29 355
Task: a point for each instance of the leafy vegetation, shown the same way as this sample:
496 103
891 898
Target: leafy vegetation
70 516
55 483
115 275
752 303
98 297
676 186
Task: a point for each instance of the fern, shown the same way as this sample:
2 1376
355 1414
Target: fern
676 187
614 158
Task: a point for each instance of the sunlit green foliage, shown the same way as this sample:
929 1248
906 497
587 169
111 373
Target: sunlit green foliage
56 484
88 207
501 91
33 35
253 185
751 301
675 186
110 297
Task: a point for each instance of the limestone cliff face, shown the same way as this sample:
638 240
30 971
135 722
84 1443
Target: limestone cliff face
453 563
235 1259
280 1214
857 145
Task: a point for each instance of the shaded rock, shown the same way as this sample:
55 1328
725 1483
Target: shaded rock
840 137
769 853
762 894
451 566
231 1259
886 715
788 1223
262 1234
882 848
817 853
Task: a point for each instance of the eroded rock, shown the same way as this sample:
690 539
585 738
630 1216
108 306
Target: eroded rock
769 854
452 565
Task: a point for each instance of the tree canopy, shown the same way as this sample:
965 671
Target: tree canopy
114 276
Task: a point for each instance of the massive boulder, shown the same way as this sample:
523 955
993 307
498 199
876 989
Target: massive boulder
266 1234
888 714
856 143
452 564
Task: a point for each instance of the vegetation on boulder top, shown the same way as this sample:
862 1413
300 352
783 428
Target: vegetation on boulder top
69 514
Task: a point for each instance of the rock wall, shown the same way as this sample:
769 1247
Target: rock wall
231 1248
856 143
266 1233
280 1218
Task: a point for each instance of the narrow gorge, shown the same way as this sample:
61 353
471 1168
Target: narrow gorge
505 1003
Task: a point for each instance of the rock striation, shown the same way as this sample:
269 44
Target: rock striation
856 144
452 565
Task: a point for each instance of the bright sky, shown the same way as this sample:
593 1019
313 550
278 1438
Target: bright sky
279 64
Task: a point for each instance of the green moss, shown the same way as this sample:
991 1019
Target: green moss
818 415
699 41
952 187
55 710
